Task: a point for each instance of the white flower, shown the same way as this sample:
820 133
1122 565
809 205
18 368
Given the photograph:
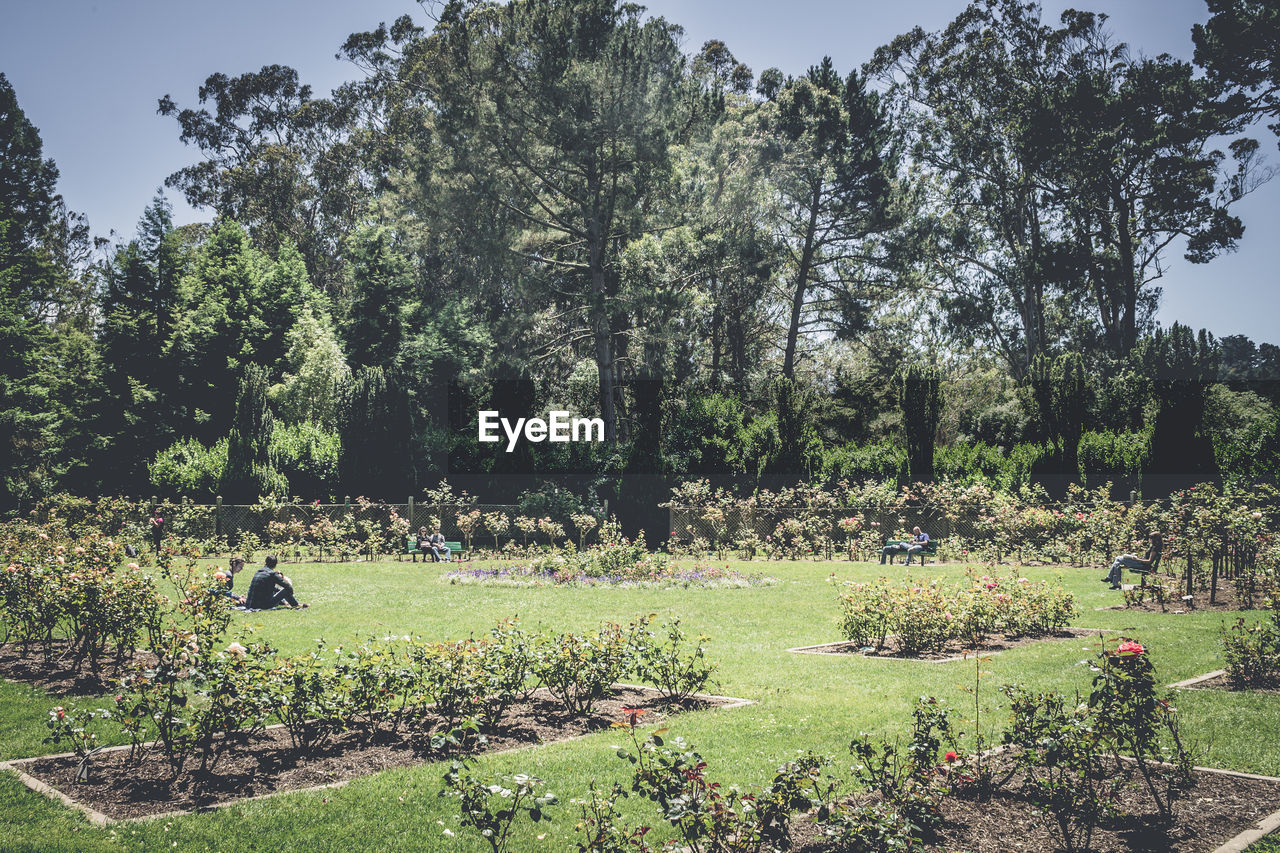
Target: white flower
237 650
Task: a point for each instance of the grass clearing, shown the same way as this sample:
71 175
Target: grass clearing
804 702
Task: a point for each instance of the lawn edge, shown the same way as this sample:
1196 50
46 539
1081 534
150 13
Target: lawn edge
99 819
816 649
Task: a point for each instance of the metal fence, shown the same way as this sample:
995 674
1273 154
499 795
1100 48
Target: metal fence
230 523
689 523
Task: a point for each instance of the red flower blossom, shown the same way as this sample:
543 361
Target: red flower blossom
951 758
1129 647
633 715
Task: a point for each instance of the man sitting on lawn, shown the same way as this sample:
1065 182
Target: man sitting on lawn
269 588
919 539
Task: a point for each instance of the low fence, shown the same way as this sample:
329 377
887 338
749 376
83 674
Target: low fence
1050 533
231 523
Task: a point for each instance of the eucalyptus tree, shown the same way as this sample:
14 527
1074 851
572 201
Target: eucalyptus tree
971 100
1132 156
833 175
1058 172
560 116
288 166
1238 47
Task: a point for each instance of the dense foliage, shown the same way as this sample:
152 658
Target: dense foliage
943 264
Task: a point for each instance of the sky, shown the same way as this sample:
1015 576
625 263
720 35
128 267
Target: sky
89 74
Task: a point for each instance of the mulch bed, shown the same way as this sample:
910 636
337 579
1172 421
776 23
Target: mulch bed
57 676
956 649
270 765
1225 601
1221 682
1215 809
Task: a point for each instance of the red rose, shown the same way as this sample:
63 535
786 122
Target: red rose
951 758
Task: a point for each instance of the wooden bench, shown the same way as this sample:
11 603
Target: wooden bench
930 549
411 547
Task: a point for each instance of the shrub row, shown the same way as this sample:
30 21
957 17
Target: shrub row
1063 756
198 700
72 597
924 616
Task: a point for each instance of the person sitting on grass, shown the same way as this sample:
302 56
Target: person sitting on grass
919 539
269 588
1146 563
226 580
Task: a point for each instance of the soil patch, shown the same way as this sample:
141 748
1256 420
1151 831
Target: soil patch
268 764
1217 807
955 650
1224 601
1221 682
55 674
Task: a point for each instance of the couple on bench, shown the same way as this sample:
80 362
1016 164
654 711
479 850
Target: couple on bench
433 545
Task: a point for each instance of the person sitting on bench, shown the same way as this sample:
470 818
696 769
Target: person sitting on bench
919 539
269 588
1146 563
435 543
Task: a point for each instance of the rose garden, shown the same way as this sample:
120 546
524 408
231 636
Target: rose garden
561 687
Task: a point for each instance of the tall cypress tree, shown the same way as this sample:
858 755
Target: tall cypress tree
1181 366
249 471
920 395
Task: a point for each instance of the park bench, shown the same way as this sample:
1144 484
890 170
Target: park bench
411 547
930 549
1149 570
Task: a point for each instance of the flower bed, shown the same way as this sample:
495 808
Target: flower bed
928 616
1226 805
952 651
652 570
1108 772
269 762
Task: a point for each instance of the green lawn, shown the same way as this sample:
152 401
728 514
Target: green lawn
803 701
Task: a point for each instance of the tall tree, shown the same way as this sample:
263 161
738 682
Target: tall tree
137 302
560 113
249 472
971 100
286 165
380 276
920 397
217 329
1238 47
1058 397
834 179
1180 365
1132 155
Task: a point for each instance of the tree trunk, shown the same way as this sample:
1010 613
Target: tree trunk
801 285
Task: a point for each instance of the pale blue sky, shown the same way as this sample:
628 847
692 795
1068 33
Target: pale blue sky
88 75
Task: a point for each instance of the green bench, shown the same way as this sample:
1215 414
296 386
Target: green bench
411 547
1149 570
930 549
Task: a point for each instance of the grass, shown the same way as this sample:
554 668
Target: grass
803 701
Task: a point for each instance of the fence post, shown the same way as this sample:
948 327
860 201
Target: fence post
1133 497
346 504
410 516
217 516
